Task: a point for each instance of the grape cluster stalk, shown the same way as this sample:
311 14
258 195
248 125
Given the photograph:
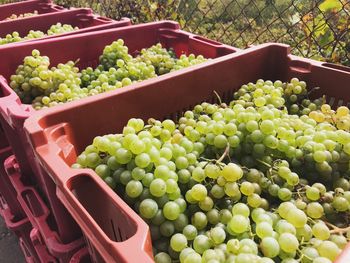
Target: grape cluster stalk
258 179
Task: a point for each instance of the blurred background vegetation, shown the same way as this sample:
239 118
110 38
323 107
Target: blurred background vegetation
318 29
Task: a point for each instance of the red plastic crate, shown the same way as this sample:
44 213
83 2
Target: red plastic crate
40 247
22 228
82 18
58 135
42 6
82 256
39 216
26 253
87 48
3 140
33 251
7 191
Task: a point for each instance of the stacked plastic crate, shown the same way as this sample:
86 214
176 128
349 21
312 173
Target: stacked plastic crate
46 231
32 188
55 203
111 227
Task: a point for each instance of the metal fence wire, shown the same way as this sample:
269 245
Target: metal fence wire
318 29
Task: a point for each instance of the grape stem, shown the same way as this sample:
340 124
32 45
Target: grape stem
264 163
222 157
218 96
225 153
312 90
337 230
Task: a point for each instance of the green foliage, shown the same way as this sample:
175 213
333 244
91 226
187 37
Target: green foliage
316 29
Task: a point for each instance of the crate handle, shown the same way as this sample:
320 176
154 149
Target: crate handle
57 7
220 48
103 19
27 196
138 241
206 41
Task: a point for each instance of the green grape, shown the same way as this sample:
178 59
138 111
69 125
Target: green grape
339 240
312 193
314 210
193 258
247 188
134 188
217 191
254 200
162 257
198 174
321 260
190 232
148 208
178 242
269 247
328 250
206 204
241 209
232 172
283 226
157 187
304 233
264 229
167 228
239 224
296 217
321 231
199 192
171 210
199 220
288 242
217 235
310 252
184 253
201 243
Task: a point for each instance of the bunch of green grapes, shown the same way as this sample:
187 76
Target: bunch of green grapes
237 183
339 118
10 38
65 79
30 78
260 94
99 80
13 16
161 59
60 29
114 52
34 34
292 95
35 82
187 61
42 86
89 74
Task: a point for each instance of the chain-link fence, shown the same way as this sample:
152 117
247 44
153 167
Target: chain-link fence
318 29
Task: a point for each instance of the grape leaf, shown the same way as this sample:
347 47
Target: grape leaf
327 5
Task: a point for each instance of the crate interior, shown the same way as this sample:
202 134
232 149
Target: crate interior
155 98
81 18
42 7
116 223
86 49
